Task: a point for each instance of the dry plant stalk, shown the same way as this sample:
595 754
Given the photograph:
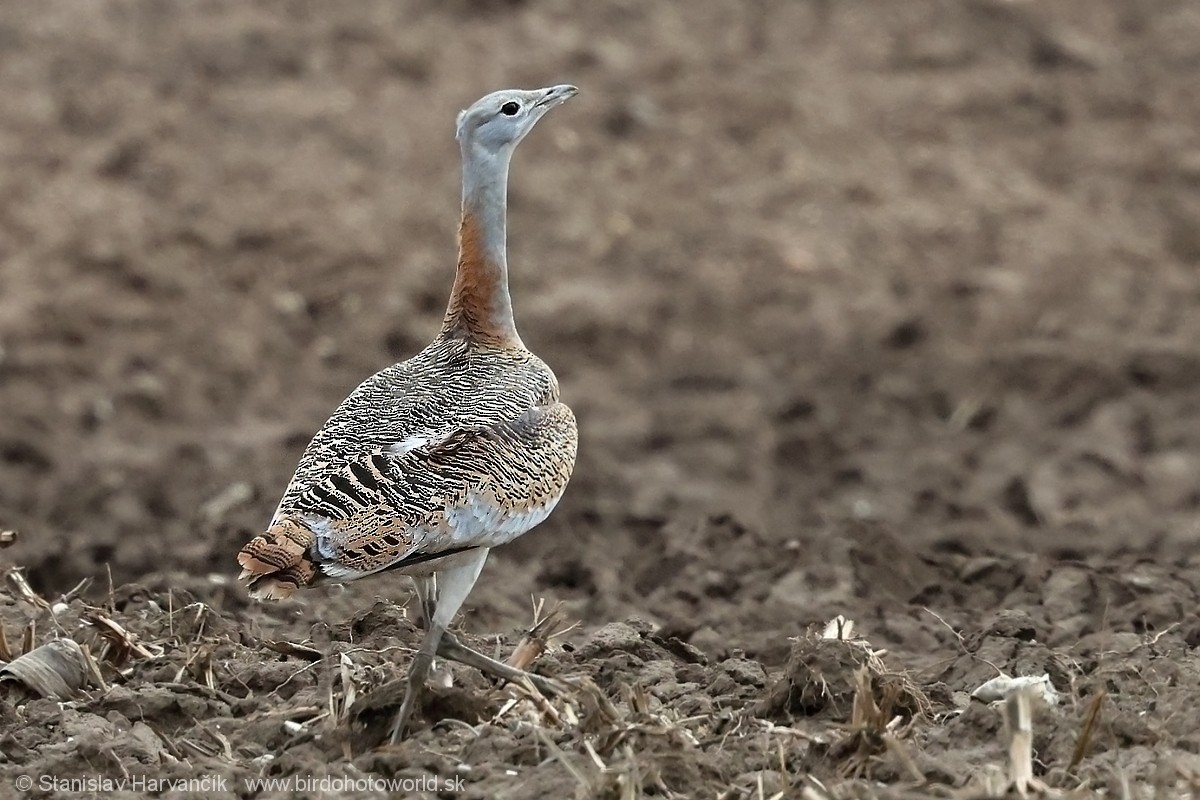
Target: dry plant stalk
21 586
293 649
120 642
1087 731
866 714
199 666
6 653
598 711
638 700
586 787
604 780
815 790
539 700
906 761
1019 729
1018 726
875 727
544 629
29 636
93 668
349 689
75 591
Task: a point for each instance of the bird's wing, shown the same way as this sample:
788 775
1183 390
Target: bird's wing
477 486
422 401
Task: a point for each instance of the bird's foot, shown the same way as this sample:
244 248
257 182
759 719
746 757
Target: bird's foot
400 726
417 672
451 648
547 686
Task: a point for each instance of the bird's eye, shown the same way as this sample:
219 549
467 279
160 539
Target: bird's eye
509 108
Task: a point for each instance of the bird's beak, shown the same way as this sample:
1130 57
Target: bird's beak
554 95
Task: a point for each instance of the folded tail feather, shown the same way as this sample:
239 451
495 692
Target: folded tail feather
277 563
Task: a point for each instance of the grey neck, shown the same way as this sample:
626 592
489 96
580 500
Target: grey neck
485 197
480 305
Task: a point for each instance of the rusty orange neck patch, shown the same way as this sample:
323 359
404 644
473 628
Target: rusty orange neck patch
480 306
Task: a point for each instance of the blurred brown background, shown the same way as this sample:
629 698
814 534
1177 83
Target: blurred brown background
883 309
814 276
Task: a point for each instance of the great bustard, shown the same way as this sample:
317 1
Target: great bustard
432 462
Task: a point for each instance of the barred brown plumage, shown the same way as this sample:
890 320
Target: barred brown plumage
431 462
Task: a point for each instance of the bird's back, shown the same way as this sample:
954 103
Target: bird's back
452 384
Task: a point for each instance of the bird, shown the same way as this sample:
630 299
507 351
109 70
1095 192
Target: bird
430 463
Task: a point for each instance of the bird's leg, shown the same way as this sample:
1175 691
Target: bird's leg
450 647
418 671
422 663
452 587
426 589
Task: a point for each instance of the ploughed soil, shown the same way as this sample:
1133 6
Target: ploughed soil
880 310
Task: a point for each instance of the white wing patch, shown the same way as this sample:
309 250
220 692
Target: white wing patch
326 549
411 443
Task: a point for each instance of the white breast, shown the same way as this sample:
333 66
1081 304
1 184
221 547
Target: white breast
482 522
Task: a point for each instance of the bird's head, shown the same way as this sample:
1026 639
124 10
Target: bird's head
497 122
